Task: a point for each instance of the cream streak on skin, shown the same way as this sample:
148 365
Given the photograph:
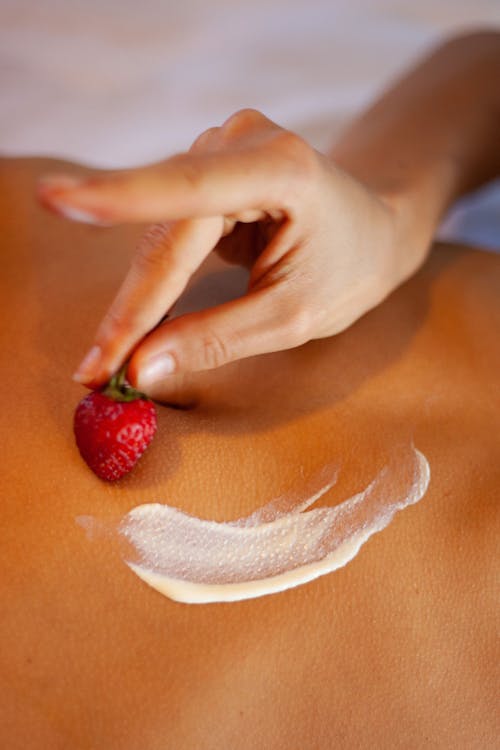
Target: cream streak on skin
279 546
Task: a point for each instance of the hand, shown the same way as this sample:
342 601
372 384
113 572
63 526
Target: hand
322 250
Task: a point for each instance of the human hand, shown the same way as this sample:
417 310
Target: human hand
321 247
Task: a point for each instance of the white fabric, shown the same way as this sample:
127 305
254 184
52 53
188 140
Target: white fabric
121 82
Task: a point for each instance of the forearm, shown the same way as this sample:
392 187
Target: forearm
430 138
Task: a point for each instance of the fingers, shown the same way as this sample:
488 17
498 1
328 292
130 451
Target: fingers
245 171
257 167
167 256
246 125
257 323
183 187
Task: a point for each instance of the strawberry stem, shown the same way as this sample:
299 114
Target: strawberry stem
119 389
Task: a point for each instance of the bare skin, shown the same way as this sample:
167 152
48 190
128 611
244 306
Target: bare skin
396 650
327 237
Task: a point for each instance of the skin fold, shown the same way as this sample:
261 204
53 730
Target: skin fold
398 649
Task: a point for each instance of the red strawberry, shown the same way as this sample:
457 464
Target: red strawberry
113 428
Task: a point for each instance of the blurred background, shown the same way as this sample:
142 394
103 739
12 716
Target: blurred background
115 83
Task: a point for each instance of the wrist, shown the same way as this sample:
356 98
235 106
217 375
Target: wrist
412 235
418 202
416 199
399 228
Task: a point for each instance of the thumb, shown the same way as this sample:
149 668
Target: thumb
257 323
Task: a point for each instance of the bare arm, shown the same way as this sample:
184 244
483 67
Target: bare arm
431 137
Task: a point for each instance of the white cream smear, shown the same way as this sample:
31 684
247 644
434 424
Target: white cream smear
279 546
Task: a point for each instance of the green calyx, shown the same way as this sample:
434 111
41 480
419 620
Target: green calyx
120 390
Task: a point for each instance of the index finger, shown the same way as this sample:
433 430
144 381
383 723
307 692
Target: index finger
167 256
185 186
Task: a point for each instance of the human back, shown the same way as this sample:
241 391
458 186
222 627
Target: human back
397 649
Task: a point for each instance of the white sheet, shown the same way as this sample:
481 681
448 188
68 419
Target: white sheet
122 82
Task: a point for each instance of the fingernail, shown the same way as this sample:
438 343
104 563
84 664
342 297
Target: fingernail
76 214
156 369
88 366
55 193
58 182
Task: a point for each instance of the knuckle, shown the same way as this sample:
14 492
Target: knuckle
300 325
154 235
298 154
155 249
112 326
206 139
193 175
189 167
160 255
150 260
290 141
242 120
215 351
